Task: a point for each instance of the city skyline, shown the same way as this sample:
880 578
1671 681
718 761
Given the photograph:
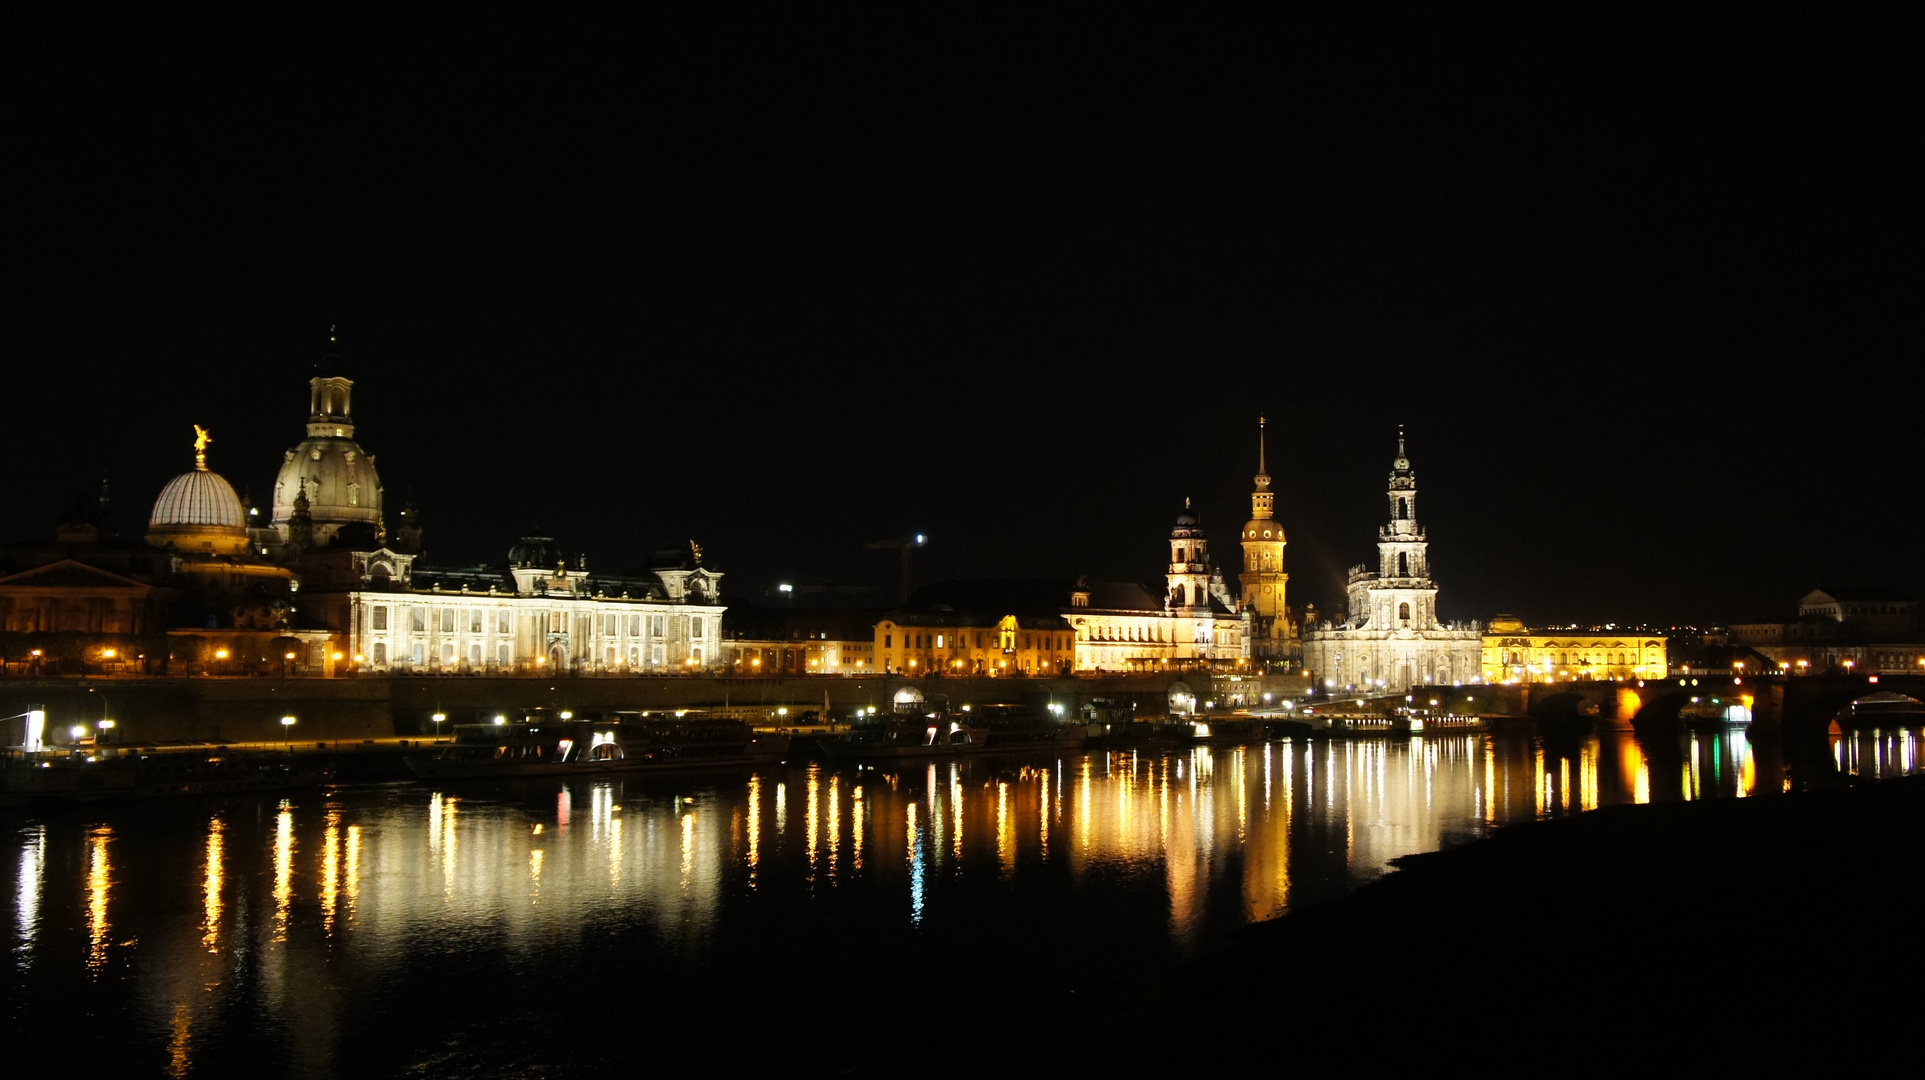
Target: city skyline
1651 369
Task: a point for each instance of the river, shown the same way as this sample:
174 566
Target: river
534 927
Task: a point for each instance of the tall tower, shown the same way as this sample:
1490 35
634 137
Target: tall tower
1263 578
1401 595
1189 575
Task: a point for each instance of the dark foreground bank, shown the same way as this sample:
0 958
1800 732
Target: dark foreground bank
1745 934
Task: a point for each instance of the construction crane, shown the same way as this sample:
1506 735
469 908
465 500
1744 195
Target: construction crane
907 545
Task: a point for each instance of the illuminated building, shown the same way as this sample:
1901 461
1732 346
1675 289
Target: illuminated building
1516 653
997 627
1120 626
1865 630
1392 637
1273 629
807 641
389 610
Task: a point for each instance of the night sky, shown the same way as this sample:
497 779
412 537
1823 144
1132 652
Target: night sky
1643 288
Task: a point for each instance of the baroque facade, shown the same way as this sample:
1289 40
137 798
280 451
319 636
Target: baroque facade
1392 637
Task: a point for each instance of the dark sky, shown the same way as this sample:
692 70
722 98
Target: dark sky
1643 287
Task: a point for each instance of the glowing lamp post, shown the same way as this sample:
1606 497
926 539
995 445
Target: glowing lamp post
438 718
287 733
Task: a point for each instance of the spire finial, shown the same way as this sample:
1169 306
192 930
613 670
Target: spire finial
334 333
201 439
1262 469
1400 440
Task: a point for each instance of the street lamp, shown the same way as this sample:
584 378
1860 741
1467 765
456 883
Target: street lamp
438 718
287 732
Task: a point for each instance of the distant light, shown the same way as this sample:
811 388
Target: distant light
439 717
499 720
919 538
77 731
567 715
105 724
287 721
785 588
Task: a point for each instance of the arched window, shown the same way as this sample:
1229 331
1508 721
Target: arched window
1403 509
1403 612
1403 564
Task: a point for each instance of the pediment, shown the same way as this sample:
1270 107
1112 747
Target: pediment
68 574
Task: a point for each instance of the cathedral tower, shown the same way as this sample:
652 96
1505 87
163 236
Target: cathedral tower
1263 577
1189 574
1400 596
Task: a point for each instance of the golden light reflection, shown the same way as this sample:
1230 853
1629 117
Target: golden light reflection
1747 765
353 872
688 847
330 871
814 808
835 822
615 854
755 827
211 887
1042 815
448 835
99 882
535 856
283 868
179 1056
1083 809
1005 839
855 838
1564 782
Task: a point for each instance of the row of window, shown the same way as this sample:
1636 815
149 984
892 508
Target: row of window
502 621
1009 640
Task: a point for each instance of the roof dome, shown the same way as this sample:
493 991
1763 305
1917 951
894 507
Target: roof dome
535 551
200 498
1261 529
198 511
342 487
1187 523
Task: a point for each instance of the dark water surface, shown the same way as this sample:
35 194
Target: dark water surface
794 914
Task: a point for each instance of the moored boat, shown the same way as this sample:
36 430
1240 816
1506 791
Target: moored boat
575 747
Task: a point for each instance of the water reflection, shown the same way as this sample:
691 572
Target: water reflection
33 868
99 881
318 915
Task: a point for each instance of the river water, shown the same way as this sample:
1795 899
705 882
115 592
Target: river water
786 914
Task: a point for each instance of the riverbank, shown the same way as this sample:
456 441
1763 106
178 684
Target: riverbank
1742 933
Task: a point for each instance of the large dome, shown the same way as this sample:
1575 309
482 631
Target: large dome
342 486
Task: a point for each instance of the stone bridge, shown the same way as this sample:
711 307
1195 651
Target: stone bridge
1800 705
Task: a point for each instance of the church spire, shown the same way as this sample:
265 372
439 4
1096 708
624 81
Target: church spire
1263 469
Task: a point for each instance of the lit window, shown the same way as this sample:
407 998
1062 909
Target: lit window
380 616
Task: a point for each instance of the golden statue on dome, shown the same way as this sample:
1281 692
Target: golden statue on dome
201 439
